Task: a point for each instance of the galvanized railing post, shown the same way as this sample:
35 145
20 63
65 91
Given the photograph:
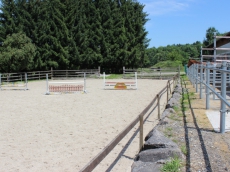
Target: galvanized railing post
207 82
201 80
223 94
193 75
214 81
196 71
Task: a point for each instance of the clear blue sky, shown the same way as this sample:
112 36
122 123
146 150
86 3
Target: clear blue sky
184 21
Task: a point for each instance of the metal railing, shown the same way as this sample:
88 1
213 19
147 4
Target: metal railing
215 81
100 156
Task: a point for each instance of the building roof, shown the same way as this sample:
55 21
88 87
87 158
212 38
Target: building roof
221 41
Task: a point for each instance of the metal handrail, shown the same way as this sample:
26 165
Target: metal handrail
195 74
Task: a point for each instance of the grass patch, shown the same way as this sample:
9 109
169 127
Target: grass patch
176 108
174 117
184 149
114 76
168 132
172 166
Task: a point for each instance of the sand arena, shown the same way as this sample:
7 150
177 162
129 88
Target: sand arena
41 132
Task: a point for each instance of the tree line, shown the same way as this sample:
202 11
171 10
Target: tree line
71 34
75 34
180 53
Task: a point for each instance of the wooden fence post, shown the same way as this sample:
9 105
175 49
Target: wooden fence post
51 73
141 132
158 104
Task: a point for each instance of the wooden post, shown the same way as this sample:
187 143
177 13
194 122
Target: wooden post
51 73
99 71
167 91
141 132
158 104
123 71
170 87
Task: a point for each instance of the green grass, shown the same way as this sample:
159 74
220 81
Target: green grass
174 117
172 166
114 76
176 108
184 149
168 132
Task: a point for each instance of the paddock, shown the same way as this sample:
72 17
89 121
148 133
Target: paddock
64 132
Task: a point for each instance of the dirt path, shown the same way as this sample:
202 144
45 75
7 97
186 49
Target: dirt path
205 149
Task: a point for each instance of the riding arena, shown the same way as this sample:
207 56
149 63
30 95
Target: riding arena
51 127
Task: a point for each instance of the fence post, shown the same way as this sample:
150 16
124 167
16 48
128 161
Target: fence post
196 71
123 71
223 94
179 71
208 83
47 85
141 132
201 80
39 75
167 91
160 74
51 73
158 104
214 82
193 75
104 80
99 71
84 83
170 87
26 81
7 78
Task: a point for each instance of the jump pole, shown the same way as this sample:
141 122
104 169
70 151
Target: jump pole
85 83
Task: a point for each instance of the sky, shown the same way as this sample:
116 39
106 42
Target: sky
184 21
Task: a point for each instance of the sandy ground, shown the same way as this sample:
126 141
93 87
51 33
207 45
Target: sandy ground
41 132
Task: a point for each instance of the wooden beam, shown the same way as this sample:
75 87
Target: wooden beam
223 37
207 48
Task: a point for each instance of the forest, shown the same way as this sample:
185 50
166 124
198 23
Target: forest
75 34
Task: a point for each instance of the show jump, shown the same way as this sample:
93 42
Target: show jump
120 85
62 87
14 82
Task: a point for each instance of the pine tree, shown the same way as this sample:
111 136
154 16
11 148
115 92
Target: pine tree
52 36
8 19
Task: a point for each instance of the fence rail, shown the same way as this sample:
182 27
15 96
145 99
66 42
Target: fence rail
55 74
100 156
153 73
